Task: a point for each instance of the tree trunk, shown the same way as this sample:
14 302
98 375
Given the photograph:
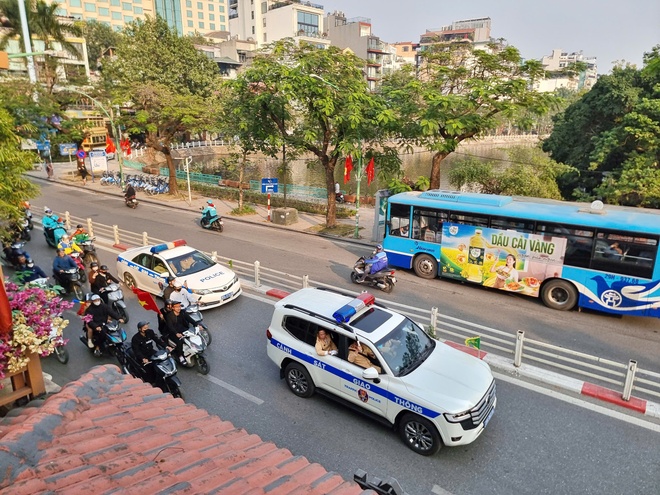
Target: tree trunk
174 188
435 169
241 172
331 214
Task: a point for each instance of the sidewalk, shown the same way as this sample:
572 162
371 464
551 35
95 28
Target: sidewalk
309 223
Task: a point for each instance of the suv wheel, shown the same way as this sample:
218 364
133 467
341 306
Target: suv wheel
419 434
299 381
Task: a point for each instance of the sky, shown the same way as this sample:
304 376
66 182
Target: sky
610 30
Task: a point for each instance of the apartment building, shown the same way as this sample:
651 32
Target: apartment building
266 21
476 31
186 16
557 62
355 34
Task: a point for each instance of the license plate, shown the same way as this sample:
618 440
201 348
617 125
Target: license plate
490 415
393 280
227 296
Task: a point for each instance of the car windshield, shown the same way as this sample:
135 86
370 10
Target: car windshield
190 263
405 347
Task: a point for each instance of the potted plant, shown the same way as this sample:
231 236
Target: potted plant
350 197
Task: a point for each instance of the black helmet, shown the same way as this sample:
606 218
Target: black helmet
169 302
103 267
93 264
170 279
142 324
79 226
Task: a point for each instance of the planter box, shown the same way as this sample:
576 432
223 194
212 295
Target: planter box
28 382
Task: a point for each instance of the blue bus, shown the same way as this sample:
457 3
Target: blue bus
594 256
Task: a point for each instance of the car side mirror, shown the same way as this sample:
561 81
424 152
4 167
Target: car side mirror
370 374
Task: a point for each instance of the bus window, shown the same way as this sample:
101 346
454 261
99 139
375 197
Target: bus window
625 254
399 220
427 224
579 242
478 221
512 224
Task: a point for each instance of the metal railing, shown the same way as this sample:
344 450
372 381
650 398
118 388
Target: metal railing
625 377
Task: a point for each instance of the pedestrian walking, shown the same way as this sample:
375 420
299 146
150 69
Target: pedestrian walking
82 170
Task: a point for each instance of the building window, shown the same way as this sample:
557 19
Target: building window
61 12
104 11
188 13
264 22
264 7
116 16
190 24
211 7
128 18
200 6
406 48
222 19
105 23
223 27
200 15
90 7
252 29
211 17
126 6
221 8
308 23
201 25
117 28
212 27
137 10
116 3
75 3
265 38
139 2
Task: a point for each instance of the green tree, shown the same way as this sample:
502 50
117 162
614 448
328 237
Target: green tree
14 187
460 93
172 92
99 38
530 172
319 102
44 24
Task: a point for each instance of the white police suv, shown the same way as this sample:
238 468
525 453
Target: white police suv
431 393
148 267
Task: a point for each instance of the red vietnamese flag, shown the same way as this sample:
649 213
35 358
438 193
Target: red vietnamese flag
109 145
347 169
371 171
125 146
146 300
83 308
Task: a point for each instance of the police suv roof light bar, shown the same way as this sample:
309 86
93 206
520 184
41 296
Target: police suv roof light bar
344 314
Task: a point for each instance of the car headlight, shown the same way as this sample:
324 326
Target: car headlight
201 292
457 418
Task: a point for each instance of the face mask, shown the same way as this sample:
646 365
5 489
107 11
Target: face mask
97 303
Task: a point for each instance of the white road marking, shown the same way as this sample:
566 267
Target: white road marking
580 403
439 490
233 389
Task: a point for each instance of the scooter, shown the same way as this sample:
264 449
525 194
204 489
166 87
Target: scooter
28 215
193 349
131 202
70 281
89 251
212 222
116 300
60 350
82 274
339 198
11 252
193 311
115 336
383 279
53 235
164 369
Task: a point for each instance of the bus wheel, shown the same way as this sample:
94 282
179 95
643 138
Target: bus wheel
559 294
425 266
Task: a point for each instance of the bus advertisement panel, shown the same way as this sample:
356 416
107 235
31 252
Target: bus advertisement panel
501 259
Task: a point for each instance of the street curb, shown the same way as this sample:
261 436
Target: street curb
505 365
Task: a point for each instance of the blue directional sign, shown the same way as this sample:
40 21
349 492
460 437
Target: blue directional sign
68 149
269 185
43 145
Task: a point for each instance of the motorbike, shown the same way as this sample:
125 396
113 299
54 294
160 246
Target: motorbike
60 350
131 202
70 281
11 252
212 222
193 349
53 235
89 251
339 198
22 230
116 300
383 279
193 311
82 274
28 215
115 336
164 369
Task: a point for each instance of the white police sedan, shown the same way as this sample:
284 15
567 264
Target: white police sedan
148 267
431 393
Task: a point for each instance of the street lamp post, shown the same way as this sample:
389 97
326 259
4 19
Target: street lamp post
116 130
358 172
32 73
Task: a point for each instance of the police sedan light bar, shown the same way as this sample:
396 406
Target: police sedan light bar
168 245
344 314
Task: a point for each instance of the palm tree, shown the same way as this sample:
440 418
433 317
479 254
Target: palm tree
43 24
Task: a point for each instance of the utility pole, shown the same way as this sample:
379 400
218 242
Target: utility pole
27 43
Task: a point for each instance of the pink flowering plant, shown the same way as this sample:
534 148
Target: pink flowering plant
36 314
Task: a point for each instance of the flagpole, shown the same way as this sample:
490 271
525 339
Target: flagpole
358 177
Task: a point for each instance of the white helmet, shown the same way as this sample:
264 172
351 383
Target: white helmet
47 210
177 283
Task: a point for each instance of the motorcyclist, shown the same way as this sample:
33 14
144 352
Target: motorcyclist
13 251
338 195
101 281
69 245
100 314
181 294
50 221
374 264
177 322
61 263
129 193
93 272
80 234
27 271
169 289
163 314
142 344
209 212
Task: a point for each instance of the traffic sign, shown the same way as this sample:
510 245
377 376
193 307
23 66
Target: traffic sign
81 154
43 145
68 149
98 159
269 184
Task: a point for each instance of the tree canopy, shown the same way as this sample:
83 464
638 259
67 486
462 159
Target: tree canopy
459 92
612 137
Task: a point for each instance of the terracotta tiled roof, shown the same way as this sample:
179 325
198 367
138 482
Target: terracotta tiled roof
110 433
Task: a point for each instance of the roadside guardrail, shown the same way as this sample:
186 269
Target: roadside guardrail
627 378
